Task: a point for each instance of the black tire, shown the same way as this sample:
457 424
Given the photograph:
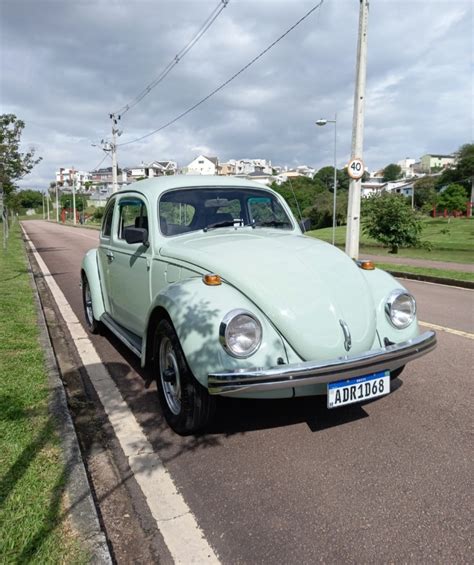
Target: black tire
395 374
186 404
92 324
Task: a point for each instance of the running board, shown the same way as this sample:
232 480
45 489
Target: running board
132 341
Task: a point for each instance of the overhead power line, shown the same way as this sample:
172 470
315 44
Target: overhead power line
176 59
100 162
224 84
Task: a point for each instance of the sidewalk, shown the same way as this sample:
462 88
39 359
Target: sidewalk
461 267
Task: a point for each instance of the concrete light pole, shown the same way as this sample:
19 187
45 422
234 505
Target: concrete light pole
322 122
57 203
353 211
74 197
113 149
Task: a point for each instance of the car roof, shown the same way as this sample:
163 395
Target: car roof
156 186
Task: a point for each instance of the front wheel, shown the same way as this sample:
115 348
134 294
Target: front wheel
92 324
186 404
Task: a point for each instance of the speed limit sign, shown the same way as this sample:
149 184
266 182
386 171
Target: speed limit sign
355 169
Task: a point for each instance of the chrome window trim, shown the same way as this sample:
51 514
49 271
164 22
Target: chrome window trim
389 303
223 331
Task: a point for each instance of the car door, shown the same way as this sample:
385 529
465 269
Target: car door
130 265
104 252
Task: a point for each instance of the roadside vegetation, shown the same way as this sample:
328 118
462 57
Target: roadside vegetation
445 239
34 527
427 272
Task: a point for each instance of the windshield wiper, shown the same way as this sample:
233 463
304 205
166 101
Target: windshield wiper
271 223
223 224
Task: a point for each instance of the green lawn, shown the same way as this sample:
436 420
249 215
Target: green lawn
33 527
425 271
451 240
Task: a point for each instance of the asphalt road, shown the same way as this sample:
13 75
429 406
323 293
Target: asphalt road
293 482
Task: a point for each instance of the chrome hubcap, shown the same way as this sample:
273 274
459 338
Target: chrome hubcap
169 375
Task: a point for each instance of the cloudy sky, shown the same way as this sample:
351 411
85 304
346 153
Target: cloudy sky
66 64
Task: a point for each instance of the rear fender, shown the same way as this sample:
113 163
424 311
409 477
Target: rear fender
196 312
90 269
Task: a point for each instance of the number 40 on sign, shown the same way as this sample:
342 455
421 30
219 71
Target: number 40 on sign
355 169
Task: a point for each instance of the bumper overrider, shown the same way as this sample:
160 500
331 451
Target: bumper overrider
310 372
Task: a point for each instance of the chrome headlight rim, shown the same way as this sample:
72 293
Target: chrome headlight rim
391 299
224 329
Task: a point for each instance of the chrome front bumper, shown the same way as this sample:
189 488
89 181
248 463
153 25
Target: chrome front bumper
309 373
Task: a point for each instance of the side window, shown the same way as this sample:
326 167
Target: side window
107 220
132 214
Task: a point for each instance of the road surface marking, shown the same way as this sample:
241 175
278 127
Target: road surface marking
178 526
447 330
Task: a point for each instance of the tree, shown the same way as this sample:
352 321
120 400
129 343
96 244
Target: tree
392 172
389 219
425 193
29 198
321 212
326 176
453 198
14 164
300 192
65 201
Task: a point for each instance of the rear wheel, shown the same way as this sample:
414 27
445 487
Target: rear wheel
186 404
92 324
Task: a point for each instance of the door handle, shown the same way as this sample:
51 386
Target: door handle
110 255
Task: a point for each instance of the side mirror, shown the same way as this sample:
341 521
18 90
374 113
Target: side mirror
136 235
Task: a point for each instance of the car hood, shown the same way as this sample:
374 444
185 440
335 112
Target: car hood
307 288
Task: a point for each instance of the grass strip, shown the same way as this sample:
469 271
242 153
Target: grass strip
427 272
451 240
33 525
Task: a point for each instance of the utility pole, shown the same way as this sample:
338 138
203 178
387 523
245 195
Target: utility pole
42 201
113 149
47 205
57 203
73 196
353 211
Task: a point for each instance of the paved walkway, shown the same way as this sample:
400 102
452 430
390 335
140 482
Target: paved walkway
464 267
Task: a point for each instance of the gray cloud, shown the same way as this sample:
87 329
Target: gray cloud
65 65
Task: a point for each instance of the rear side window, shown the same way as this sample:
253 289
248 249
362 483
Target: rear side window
107 221
132 214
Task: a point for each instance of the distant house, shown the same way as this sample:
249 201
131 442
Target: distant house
202 165
406 166
370 188
429 162
65 177
248 166
226 169
102 179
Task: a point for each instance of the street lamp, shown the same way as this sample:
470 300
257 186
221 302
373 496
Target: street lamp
322 122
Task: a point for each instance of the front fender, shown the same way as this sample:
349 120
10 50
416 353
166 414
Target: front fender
90 268
381 284
196 311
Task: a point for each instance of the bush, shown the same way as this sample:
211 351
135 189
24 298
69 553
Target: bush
98 214
389 219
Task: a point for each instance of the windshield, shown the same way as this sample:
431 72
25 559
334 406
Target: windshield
193 209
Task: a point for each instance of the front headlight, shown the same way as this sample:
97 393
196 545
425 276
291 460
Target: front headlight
240 333
400 308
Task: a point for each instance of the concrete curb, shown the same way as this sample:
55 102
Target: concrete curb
80 501
431 279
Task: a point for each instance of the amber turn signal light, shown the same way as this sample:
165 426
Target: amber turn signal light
366 265
212 280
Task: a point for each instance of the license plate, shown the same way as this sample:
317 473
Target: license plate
349 391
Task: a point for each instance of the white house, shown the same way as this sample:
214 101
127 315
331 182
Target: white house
153 169
248 166
406 166
66 177
202 165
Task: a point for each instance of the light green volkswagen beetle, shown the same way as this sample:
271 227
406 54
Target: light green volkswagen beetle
211 281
